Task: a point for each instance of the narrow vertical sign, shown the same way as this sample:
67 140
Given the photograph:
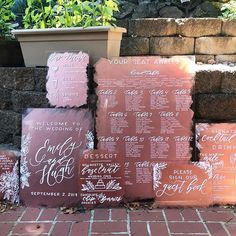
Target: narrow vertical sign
9 176
67 79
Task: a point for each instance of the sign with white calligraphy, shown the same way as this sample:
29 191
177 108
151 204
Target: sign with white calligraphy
67 79
217 145
53 140
9 176
101 179
144 114
182 184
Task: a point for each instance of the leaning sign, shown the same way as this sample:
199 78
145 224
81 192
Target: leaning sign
144 114
53 140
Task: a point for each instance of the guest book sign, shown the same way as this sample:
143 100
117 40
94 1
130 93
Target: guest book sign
217 145
144 114
182 184
53 140
9 176
67 79
101 179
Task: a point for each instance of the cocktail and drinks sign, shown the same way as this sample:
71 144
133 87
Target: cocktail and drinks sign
217 145
144 114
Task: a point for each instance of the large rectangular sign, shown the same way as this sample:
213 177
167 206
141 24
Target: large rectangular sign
144 113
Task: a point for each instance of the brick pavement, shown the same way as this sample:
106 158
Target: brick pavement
216 221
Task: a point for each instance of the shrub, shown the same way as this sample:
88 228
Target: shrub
69 13
6 18
229 10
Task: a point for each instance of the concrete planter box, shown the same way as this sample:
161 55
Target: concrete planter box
10 54
38 44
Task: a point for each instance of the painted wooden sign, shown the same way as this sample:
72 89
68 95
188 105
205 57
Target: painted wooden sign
9 176
53 140
217 145
67 79
182 184
101 179
144 114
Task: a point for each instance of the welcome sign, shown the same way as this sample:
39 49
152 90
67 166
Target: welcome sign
53 140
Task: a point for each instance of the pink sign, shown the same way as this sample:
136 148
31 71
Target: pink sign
53 141
182 184
144 114
67 79
9 176
101 179
217 145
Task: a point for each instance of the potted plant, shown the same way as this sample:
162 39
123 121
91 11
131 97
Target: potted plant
69 25
10 52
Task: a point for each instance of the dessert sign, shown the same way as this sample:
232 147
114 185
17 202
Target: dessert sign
67 79
217 145
182 184
9 176
144 114
53 140
101 179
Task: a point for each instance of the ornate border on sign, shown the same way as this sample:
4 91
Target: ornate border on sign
199 128
157 173
24 171
205 165
9 184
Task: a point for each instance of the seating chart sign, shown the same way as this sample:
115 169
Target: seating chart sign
9 176
67 79
182 184
101 179
53 140
217 145
144 113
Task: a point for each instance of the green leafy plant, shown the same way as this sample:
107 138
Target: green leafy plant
6 18
69 13
229 10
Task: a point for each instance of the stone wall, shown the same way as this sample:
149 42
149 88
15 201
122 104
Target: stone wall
20 88
169 8
211 40
214 96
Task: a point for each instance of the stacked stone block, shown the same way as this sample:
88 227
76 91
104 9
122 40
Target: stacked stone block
20 88
215 93
209 39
